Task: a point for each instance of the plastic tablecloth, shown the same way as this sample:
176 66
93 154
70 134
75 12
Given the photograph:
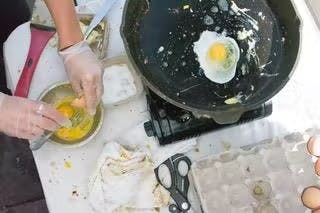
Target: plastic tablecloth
296 108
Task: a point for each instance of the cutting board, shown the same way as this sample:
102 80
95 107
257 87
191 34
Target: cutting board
50 67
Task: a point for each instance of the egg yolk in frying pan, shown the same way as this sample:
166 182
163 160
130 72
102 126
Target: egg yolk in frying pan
218 52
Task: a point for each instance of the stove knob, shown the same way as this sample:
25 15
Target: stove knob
185 117
148 128
162 113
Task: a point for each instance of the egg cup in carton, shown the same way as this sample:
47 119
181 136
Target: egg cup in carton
268 177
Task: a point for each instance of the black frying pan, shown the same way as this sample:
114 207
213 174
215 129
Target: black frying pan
175 74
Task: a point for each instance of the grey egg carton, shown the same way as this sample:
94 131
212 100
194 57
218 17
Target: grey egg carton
268 177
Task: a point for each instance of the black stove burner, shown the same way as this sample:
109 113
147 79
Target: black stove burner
170 123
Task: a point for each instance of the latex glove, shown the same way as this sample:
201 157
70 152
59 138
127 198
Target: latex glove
23 118
85 73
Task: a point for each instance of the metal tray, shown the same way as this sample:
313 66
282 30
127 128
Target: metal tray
99 38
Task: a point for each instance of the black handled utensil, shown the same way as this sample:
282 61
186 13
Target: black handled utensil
178 166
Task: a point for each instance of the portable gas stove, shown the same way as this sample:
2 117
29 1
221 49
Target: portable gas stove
170 123
160 36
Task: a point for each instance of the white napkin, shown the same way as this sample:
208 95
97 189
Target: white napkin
125 180
137 138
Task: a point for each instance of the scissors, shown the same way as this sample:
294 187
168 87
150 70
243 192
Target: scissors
178 166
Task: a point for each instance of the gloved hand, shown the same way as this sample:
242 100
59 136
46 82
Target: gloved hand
85 73
23 118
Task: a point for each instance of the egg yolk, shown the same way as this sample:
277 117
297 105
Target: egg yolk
217 52
66 110
77 130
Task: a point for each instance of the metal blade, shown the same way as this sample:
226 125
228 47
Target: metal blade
102 12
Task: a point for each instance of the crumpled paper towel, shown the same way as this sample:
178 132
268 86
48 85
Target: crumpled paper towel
124 179
137 138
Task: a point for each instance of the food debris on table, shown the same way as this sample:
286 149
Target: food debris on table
226 145
67 164
75 193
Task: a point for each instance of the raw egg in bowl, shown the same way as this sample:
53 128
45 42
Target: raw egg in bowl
84 126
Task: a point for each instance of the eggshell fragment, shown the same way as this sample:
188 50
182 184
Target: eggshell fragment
317 167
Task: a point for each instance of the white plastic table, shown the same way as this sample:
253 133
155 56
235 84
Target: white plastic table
296 108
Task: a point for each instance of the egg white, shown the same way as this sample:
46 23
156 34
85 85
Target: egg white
213 71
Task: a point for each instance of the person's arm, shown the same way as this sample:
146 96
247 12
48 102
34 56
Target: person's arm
66 22
27 119
83 68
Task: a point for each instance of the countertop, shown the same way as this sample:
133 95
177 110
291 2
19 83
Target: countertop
296 108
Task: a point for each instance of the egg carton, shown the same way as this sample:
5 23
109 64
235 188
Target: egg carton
268 177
